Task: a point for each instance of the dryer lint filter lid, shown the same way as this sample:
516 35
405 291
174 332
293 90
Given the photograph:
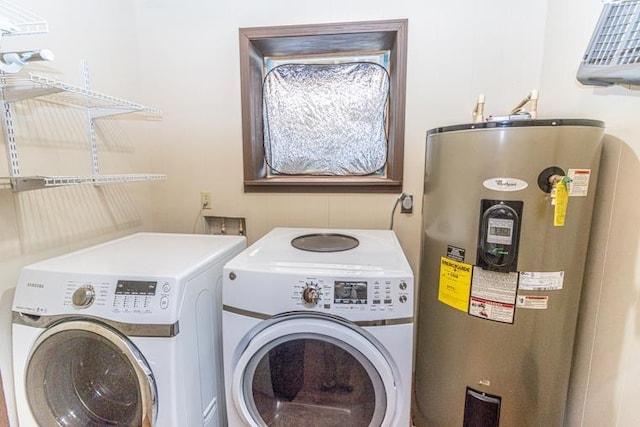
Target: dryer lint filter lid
325 242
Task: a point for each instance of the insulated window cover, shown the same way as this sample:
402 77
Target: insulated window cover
326 119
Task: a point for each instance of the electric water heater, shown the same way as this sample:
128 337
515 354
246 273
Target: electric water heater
506 220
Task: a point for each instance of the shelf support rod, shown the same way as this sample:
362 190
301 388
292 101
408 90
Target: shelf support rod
10 139
93 139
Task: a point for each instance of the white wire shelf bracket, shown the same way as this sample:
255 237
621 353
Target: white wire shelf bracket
21 86
15 87
15 20
25 183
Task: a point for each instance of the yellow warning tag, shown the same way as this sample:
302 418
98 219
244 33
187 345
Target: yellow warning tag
455 283
562 200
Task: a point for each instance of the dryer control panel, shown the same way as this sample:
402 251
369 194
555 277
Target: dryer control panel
344 296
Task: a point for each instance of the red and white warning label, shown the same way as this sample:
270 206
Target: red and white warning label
534 302
491 310
579 182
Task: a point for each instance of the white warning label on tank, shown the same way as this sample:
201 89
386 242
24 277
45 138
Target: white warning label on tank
494 286
579 182
493 295
541 280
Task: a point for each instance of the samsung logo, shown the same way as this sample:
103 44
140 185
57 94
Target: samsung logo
35 285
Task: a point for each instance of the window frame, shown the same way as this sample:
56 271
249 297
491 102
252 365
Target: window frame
256 43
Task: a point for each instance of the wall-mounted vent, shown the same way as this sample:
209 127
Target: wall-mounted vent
613 54
15 20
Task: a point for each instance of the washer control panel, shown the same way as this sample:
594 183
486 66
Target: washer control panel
120 295
340 295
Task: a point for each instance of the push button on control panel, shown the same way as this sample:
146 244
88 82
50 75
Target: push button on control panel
164 302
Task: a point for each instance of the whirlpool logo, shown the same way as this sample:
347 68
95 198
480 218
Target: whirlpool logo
505 184
35 285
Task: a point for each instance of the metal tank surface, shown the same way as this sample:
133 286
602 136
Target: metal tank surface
506 220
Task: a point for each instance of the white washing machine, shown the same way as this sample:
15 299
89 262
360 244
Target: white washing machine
123 333
318 330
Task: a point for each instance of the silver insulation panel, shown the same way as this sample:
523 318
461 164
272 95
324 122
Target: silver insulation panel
326 119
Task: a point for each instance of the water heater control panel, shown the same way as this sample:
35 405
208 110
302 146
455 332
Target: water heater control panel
499 234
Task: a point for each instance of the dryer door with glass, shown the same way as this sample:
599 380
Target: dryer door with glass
313 369
84 373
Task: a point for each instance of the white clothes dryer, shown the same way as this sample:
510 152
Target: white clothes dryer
123 333
318 330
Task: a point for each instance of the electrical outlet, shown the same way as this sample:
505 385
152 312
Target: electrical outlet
205 200
406 204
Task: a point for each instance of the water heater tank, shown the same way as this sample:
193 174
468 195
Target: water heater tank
507 214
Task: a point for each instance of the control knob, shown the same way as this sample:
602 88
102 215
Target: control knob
83 296
310 295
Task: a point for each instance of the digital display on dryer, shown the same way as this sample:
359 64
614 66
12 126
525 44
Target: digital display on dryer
136 287
350 292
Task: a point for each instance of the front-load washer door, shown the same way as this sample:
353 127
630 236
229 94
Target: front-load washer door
83 373
313 370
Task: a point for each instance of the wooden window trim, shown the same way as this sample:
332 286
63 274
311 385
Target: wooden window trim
321 39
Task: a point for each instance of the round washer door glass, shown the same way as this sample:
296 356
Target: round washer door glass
82 373
316 372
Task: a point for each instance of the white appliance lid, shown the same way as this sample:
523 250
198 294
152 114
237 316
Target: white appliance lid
378 252
160 254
